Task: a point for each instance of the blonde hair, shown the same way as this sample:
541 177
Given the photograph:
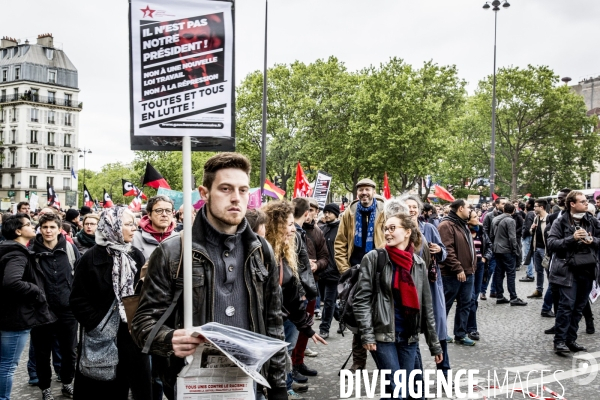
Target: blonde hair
94 216
277 213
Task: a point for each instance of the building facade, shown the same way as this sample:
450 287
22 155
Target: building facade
39 120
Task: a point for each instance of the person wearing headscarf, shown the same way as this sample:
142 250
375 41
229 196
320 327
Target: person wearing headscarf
105 274
85 239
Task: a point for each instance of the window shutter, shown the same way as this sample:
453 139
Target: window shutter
29 114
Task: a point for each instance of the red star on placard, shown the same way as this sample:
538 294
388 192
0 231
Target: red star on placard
147 12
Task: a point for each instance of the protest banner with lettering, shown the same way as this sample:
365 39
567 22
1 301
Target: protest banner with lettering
182 74
322 186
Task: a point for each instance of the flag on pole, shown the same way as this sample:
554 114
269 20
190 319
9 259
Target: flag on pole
301 186
52 196
495 196
386 187
129 189
136 203
87 197
269 189
107 201
153 178
443 194
73 174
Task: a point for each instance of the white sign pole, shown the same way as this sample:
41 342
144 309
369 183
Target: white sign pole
188 309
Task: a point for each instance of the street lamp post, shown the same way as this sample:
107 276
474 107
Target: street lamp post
495 6
83 153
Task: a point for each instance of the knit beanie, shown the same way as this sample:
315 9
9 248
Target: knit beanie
332 208
85 210
71 214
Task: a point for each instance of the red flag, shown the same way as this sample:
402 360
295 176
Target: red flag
443 194
386 187
136 204
154 179
87 197
107 201
302 186
494 196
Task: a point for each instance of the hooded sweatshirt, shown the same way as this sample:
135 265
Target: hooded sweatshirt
147 238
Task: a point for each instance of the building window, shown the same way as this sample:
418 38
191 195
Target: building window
51 76
50 138
13 159
34 94
67 161
16 92
13 136
17 73
2 115
33 182
33 136
3 96
68 99
51 97
50 180
34 115
67 140
50 161
4 75
33 160
66 183
52 117
69 119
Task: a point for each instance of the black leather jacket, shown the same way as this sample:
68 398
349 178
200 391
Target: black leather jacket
261 275
374 307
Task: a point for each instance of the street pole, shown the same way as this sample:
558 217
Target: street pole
493 150
495 5
188 309
263 153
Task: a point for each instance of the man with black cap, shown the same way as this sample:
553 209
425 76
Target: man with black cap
328 279
360 231
85 210
72 218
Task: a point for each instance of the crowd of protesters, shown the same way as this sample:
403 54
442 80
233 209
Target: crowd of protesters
275 271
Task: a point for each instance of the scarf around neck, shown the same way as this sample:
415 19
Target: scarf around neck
85 239
358 233
403 281
110 235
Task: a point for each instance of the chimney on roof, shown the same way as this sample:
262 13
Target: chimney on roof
46 40
6 42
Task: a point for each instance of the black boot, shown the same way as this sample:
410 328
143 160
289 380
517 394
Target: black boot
589 325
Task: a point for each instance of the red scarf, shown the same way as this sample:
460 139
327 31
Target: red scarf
403 281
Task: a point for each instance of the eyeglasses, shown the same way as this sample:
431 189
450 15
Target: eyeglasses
90 224
163 211
26 224
390 228
129 225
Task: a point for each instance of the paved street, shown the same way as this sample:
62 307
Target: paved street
512 340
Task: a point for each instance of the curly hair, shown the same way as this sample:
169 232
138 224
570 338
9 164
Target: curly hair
277 213
407 223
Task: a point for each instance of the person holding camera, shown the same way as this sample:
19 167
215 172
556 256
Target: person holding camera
574 241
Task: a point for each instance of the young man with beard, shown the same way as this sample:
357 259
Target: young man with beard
458 267
328 279
360 231
574 240
156 226
57 258
235 275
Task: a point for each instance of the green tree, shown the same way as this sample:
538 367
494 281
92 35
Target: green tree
109 179
544 139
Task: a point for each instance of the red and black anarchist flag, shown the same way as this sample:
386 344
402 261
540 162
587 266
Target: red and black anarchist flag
87 197
129 189
154 179
107 201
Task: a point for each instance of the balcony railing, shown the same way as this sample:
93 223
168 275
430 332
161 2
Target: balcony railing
67 145
32 142
40 99
67 167
51 121
34 120
66 187
32 186
50 143
50 166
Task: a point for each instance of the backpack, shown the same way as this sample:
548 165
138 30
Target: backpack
347 288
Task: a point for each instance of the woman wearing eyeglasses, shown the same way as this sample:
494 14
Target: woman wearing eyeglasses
22 296
85 239
109 363
391 306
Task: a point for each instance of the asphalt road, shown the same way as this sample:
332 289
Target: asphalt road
512 345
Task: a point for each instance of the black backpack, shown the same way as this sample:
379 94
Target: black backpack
347 288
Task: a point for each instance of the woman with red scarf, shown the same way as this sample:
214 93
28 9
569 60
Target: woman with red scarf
391 306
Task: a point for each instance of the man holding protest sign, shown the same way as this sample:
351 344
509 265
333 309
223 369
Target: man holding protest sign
235 278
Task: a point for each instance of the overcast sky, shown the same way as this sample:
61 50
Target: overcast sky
557 33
